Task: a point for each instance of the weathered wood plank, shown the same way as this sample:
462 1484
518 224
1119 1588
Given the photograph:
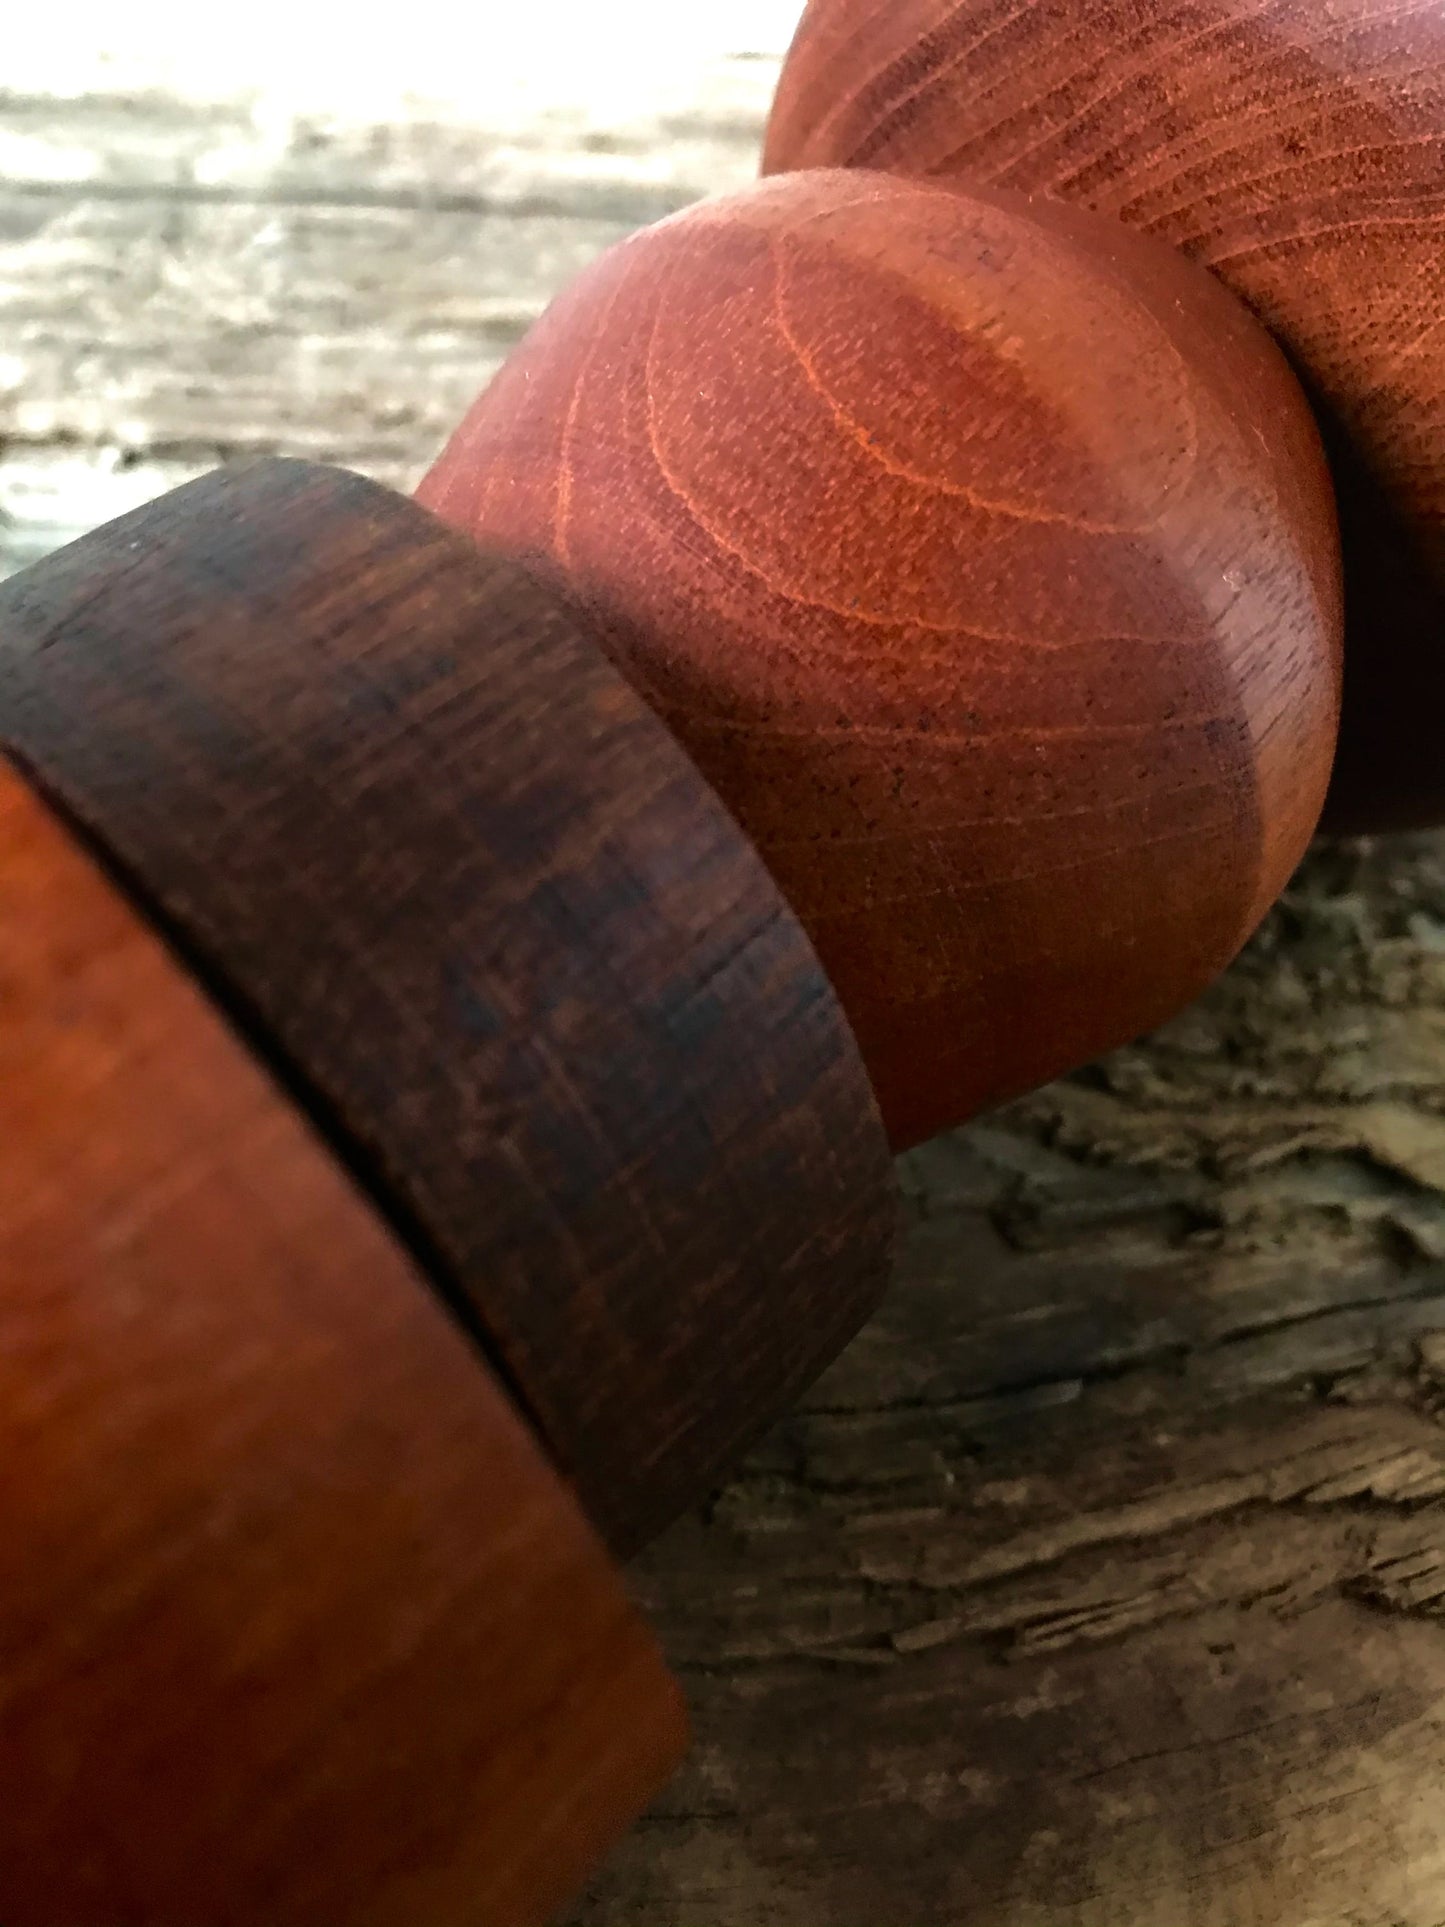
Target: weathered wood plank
356 333
49 496
1102 1580
632 162
273 266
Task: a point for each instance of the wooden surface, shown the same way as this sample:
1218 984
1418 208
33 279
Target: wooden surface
813 461
1293 148
296 1623
1166 1345
258 266
1102 1581
470 898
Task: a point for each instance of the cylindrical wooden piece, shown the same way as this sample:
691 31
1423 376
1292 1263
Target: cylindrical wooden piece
984 557
469 895
297 1626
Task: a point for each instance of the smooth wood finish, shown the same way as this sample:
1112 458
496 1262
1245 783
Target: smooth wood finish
296 1623
984 558
462 886
1295 148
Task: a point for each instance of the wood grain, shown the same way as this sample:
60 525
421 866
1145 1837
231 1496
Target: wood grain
1102 1579
984 558
1202 1236
461 885
1294 149
296 1624
1197 1679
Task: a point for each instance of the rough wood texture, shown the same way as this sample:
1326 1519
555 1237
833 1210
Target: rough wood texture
1102 1581
295 1622
1213 1236
983 556
1297 149
468 893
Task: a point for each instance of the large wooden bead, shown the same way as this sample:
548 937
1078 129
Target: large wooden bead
1297 149
983 556
297 1625
469 896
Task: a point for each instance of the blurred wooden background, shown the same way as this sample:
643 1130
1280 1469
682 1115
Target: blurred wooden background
212 249
1101 1582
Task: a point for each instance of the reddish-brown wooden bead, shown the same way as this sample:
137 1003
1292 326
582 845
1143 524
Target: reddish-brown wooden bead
297 1625
1297 149
983 556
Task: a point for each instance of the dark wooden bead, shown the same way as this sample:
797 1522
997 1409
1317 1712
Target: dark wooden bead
1296 149
467 894
298 1628
983 555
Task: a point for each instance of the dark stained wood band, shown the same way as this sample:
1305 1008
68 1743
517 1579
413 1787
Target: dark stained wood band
297 1624
466 892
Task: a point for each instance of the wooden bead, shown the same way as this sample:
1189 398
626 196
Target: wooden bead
296 1624
469 896
983 556
1298 151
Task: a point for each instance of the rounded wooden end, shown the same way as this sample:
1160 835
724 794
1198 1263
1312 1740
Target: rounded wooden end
983 555
1294 150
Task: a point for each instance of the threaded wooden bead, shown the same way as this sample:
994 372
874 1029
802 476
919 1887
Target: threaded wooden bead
297 1625
983 555
1295 150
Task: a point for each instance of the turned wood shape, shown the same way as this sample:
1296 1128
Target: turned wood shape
469 896
297 1625
1296 148
984 557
